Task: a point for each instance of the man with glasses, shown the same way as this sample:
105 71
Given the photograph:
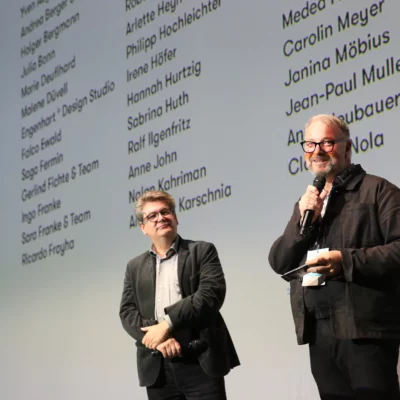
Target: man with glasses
170 305
346 306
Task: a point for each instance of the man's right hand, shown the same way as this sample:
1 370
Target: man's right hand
312 200
170 348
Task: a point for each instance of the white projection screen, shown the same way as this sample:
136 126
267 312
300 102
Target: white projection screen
102 100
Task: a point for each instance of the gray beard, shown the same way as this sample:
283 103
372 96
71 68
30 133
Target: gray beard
330 168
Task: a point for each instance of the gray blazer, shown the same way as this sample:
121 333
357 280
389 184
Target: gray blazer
195 316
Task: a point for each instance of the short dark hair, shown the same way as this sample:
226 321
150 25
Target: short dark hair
153 195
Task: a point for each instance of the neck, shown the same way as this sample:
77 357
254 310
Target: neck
161 245
328 183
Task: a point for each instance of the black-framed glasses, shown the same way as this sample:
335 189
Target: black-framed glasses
326 145
152 217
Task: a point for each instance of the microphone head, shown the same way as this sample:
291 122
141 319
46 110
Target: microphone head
319 182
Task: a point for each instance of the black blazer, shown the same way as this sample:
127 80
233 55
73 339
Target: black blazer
195 316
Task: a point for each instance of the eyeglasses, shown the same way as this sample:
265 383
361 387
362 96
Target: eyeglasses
326 145
152 217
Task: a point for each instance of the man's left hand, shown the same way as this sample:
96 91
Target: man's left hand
328 263
155 334
170 348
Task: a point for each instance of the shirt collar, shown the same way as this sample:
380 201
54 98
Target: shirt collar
170 252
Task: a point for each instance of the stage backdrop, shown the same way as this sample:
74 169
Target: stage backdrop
103 100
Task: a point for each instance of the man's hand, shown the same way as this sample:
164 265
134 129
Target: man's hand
312 200
170 348
328 263
155 335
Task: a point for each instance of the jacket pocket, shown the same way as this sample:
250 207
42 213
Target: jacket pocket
376 305
360 226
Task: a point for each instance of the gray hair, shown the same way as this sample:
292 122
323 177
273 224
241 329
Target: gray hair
330 120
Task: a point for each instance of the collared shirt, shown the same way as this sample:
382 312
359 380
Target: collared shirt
325 204
167 284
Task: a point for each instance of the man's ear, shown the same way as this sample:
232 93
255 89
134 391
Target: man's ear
349 143
142 228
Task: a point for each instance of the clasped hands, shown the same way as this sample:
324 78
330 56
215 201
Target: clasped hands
157 337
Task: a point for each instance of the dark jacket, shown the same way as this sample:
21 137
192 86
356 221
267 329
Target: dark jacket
195 316
362 220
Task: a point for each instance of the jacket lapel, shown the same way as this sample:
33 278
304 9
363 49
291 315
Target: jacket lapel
182 255
149 284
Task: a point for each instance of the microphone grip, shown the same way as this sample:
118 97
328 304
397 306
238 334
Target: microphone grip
305 224
306 221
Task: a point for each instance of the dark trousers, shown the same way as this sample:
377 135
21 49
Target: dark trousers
362 369
184 379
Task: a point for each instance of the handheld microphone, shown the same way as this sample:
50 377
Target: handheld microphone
319 183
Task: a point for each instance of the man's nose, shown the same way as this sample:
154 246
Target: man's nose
318 149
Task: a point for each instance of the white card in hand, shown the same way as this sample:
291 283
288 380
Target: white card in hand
313 279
